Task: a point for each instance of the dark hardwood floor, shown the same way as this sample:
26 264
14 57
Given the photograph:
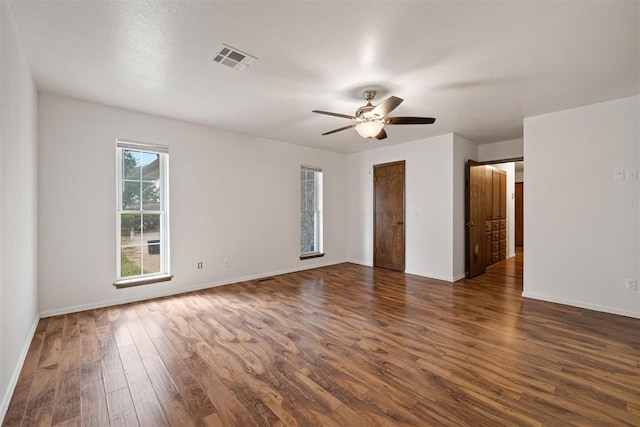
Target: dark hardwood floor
344 345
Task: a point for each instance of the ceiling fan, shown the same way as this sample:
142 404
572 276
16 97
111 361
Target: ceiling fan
370 119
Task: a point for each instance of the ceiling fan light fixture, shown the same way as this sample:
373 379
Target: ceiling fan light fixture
369 129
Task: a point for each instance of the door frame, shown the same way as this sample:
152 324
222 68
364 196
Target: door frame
404 210
467 201
521 214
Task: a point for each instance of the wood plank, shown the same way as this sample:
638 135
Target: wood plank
87 329
52 346
93 404
227 405
172 403
66 404
196 399
111 365
70 346
72 422
39 410
120 408
145 402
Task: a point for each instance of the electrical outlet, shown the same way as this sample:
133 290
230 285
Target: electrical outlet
226 262
632 284
199 265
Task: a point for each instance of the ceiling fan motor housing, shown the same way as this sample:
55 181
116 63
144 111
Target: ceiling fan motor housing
361 112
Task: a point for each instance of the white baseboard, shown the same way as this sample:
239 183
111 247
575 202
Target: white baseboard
8 393
130 299
582 304
431 275
417 273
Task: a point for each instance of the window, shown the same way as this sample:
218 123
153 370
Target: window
142 213
310 212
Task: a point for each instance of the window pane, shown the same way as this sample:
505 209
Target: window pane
306 232
131 161
130 261
150 166
151 257
130 229
151 237
151 196
131 195
151 227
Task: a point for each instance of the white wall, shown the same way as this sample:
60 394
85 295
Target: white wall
18 208
232 197
463 150
501 150
510 169
428 204
582 226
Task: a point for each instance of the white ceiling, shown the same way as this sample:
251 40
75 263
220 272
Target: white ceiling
478 67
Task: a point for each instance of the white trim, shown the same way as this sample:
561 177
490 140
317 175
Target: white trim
581 304
311 168
318 220
142 146
174 291
449 279
163 212
11 388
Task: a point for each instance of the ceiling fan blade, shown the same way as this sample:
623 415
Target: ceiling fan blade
381 135
339 129
328 113
386 106
409 120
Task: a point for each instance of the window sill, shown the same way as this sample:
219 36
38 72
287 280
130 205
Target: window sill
309 256
128 283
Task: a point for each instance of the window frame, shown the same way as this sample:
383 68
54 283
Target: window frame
163 211
318 213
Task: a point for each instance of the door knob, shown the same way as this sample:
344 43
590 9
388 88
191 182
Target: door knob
400 222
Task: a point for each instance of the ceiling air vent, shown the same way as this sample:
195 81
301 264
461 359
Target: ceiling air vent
233 58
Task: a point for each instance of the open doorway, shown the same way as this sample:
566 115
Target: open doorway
494 215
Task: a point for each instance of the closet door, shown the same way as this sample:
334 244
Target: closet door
503 216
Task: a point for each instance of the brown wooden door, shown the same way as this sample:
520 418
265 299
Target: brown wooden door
388 216
519 213
475 219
